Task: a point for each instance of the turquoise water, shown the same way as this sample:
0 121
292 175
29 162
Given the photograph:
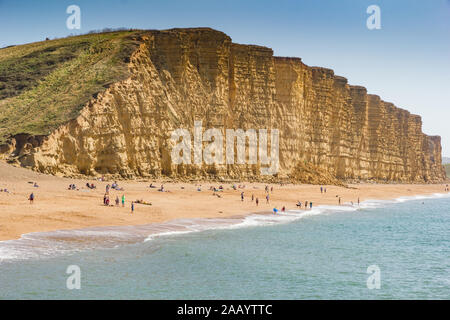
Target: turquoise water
322 254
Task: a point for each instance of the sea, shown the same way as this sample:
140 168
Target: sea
390 249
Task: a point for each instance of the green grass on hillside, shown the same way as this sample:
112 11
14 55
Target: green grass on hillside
45 84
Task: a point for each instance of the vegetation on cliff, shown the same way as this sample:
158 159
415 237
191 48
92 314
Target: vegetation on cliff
45 84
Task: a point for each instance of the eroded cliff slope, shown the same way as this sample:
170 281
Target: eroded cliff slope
328 129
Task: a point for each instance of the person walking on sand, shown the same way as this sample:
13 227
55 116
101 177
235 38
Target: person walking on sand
242 196
132 207
117 201
31 198
267 199
123 200
321 189
257 202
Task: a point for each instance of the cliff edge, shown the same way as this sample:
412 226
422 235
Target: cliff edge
115 103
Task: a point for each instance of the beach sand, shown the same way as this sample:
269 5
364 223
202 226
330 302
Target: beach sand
57 208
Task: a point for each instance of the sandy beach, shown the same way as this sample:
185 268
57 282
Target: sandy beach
57 208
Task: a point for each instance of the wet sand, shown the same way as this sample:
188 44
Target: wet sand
57 208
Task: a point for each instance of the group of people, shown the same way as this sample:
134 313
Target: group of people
256 199
106 200
299 204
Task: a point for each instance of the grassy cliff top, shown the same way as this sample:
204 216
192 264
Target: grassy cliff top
45 84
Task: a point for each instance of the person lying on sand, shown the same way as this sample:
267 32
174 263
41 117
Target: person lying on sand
141 201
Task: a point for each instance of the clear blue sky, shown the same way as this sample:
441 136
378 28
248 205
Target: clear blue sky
407 62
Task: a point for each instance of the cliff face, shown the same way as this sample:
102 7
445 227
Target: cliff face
184 75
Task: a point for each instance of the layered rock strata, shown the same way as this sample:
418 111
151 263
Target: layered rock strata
181 76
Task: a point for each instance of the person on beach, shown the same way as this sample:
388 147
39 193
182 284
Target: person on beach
117 201
339 200
257 202
123 200
310 205
306 205
299 204
242 196
321 189
283 209
107 188
132 207
324 190
267 199
31 198
358 201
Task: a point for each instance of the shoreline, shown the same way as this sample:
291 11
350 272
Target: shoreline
49 244
57 209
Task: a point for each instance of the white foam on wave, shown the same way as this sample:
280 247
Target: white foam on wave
49 244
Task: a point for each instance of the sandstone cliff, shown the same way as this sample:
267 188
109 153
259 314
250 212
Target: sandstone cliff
180 76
